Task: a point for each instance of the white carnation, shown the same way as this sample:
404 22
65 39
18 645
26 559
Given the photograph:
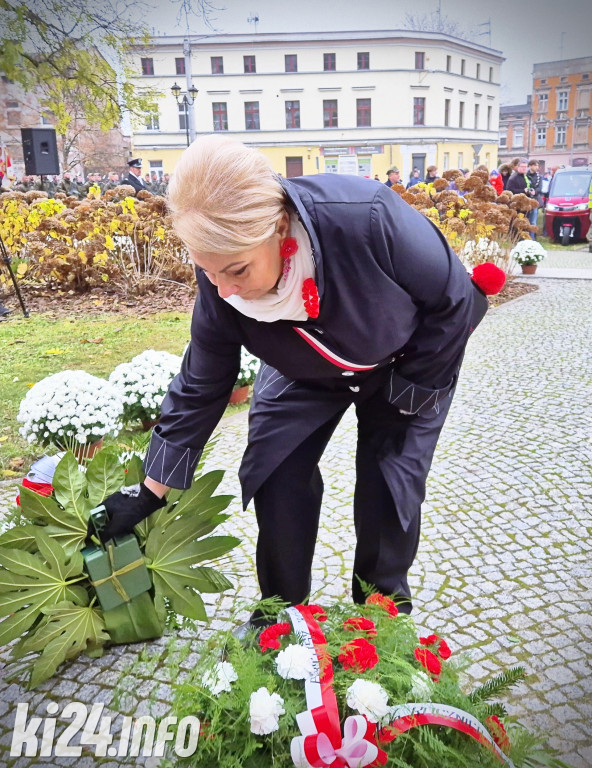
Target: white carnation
295 662
219 678
265 709
369 699
421 686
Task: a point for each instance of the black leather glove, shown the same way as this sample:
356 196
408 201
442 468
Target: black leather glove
126 509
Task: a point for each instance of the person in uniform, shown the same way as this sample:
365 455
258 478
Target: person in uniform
348 295
134 176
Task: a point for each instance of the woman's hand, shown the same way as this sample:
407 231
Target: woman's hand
128 507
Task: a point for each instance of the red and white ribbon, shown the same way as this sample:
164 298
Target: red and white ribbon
409 716
322 743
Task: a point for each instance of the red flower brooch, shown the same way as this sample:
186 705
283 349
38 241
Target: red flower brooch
310 294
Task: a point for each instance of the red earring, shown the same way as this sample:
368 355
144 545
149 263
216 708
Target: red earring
288 248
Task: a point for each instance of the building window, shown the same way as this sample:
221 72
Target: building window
503 139
152 121
419 111
220 113
180 66
581 134
364 60
217 65
446 112
182 117
476 116
291 61
541 136
461 159
249 64
489 113
419 60
461 114
156 166
518 138
147 66
583 98
363 113
252 116
462 66
292 114
446 161
45 120
543 102
491 74
12 104
448 63
330 113
562 98
329 62
560 132
478 71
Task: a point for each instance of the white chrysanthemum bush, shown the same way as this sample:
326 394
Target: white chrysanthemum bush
143 383
248 370
69 409
528 252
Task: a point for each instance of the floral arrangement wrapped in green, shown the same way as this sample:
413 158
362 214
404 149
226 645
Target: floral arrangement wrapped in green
362 690
51 601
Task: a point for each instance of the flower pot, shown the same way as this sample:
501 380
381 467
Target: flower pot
87 451
147 424
528 269
239 395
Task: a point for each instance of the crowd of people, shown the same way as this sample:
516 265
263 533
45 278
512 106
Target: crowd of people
79 186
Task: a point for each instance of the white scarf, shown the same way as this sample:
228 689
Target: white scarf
284 302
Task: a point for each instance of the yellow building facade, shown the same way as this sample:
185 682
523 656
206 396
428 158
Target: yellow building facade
335 102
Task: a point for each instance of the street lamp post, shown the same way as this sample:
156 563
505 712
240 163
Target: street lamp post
187 100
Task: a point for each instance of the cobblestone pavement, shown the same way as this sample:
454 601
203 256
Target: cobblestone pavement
504 567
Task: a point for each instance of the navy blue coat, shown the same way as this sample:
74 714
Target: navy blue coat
396 310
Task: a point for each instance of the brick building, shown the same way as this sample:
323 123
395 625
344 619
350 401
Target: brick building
514 131
82 149
555 125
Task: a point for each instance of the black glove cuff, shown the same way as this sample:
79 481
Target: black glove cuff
150 499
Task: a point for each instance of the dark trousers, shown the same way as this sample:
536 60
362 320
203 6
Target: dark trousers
288 506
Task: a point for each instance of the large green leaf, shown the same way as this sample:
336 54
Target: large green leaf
40 508
192 500
28 582
135 471
21 537
65 631
70 485
104 476
173 552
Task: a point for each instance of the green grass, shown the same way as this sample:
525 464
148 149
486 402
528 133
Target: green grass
31 349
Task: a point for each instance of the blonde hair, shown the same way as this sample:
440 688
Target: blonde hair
224 196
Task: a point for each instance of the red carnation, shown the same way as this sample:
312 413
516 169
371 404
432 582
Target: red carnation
358 655
442 648
318 612
489 278
359 624
269 638
383 602
498 731
429 661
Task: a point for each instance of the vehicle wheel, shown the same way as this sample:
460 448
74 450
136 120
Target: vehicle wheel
565 237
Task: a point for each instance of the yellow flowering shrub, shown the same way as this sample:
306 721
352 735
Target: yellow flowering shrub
78 245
